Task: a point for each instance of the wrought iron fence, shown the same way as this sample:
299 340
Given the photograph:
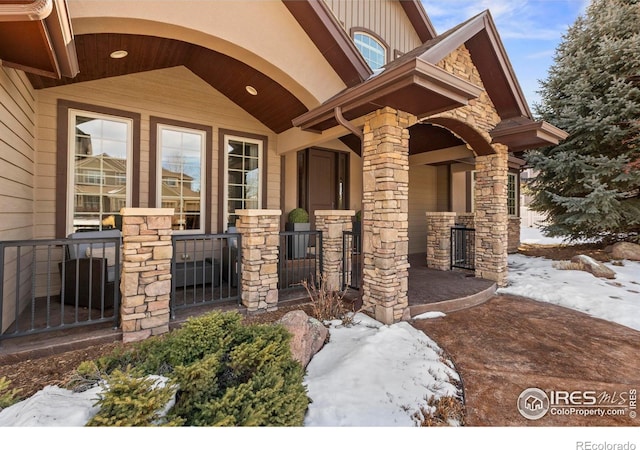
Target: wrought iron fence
351 260
463 248
300 258
48 285
206 269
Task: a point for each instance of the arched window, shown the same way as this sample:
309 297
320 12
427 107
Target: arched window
373 51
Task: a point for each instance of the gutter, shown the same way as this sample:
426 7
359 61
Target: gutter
25 12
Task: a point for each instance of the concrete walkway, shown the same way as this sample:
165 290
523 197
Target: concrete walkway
510 344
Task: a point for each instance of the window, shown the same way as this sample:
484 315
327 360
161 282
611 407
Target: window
242 177
372 50
181 155
100 168
512 194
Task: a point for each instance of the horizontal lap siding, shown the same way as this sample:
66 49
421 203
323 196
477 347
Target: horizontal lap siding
17 169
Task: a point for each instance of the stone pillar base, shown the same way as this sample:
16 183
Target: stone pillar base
260 231
145 283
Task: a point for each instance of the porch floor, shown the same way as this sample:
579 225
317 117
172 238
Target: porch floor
444 291
429 290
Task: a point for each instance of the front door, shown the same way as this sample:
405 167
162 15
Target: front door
324 181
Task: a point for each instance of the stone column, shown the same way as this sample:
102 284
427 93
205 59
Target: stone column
439 239
514 234
333 224
145 282
260 231
385 206
491 215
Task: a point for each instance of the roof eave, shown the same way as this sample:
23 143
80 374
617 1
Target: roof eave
527 135
428 79
419 19
322 27
43 28
464 35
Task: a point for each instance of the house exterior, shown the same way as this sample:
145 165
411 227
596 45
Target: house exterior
212 108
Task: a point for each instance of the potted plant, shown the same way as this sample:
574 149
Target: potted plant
298 220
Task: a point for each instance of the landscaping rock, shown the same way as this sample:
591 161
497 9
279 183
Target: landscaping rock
309 335
597 269
625 250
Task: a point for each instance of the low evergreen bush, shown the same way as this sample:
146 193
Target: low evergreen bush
7 396
226 373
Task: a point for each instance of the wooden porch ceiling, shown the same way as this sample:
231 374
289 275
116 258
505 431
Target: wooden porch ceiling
274 105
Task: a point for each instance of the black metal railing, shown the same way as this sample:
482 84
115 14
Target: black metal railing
463 248
48 285
300 258
205 269
351 260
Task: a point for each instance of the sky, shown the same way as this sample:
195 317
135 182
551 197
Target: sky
530 30
370 378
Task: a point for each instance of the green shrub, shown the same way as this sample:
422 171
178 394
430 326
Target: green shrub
132 401
227 373
7 397
298 215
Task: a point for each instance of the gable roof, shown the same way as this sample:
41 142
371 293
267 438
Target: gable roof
413 83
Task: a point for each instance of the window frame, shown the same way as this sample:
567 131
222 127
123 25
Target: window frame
223 176
154 123
160 126
516 190
516 194
63 153
377 39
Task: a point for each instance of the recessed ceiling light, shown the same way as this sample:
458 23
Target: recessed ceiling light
118 54
251 90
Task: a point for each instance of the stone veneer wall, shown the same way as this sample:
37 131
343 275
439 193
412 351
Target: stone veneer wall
467 220
260 232
333 224
385 206
480 113
439 239
145 282
491 222
514 234
491 216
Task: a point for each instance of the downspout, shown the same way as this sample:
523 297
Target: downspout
337 111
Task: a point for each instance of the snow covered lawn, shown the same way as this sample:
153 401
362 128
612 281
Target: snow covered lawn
615 300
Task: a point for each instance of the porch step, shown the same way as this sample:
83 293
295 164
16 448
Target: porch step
46 344
456 304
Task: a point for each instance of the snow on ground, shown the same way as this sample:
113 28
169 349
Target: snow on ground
372 374
368 374
533 235
615 300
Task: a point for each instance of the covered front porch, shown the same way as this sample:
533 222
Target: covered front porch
429 290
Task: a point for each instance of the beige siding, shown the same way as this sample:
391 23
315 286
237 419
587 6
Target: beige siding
385 18
422 198
17 154
173 93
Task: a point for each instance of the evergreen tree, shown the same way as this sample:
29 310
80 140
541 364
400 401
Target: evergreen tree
589 185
